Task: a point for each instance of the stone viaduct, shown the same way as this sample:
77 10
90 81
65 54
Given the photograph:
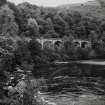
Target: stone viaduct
54 41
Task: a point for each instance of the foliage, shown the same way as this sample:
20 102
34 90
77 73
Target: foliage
26 91
102 2
7 22
8 44
8 36
32 28
21 25
35 49
27 20
2 2
59 22
23 56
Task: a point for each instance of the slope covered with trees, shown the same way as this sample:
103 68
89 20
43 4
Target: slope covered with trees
21 24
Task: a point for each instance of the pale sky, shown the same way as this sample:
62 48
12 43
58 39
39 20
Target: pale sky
49 2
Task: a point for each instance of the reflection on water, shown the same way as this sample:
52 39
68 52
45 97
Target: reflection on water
87 88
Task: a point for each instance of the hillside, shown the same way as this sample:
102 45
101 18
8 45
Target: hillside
94 3
90 8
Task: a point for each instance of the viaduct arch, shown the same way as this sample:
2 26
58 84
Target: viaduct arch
53 41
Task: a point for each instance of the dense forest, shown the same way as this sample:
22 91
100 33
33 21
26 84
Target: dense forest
21 24
24 22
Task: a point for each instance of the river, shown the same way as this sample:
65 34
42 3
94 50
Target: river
76 85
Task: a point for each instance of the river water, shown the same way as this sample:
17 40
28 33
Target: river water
76 85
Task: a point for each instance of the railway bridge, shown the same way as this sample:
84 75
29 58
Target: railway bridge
59 41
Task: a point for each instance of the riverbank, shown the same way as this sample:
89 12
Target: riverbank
90 62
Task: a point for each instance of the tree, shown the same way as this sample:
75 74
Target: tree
35 50
93 37
68 18
79 30
8 40
29 10
59 25
2 2
32 27
76 16
50 32
8 31
23 55
42 26
46 28
102 3
8 26
19 19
